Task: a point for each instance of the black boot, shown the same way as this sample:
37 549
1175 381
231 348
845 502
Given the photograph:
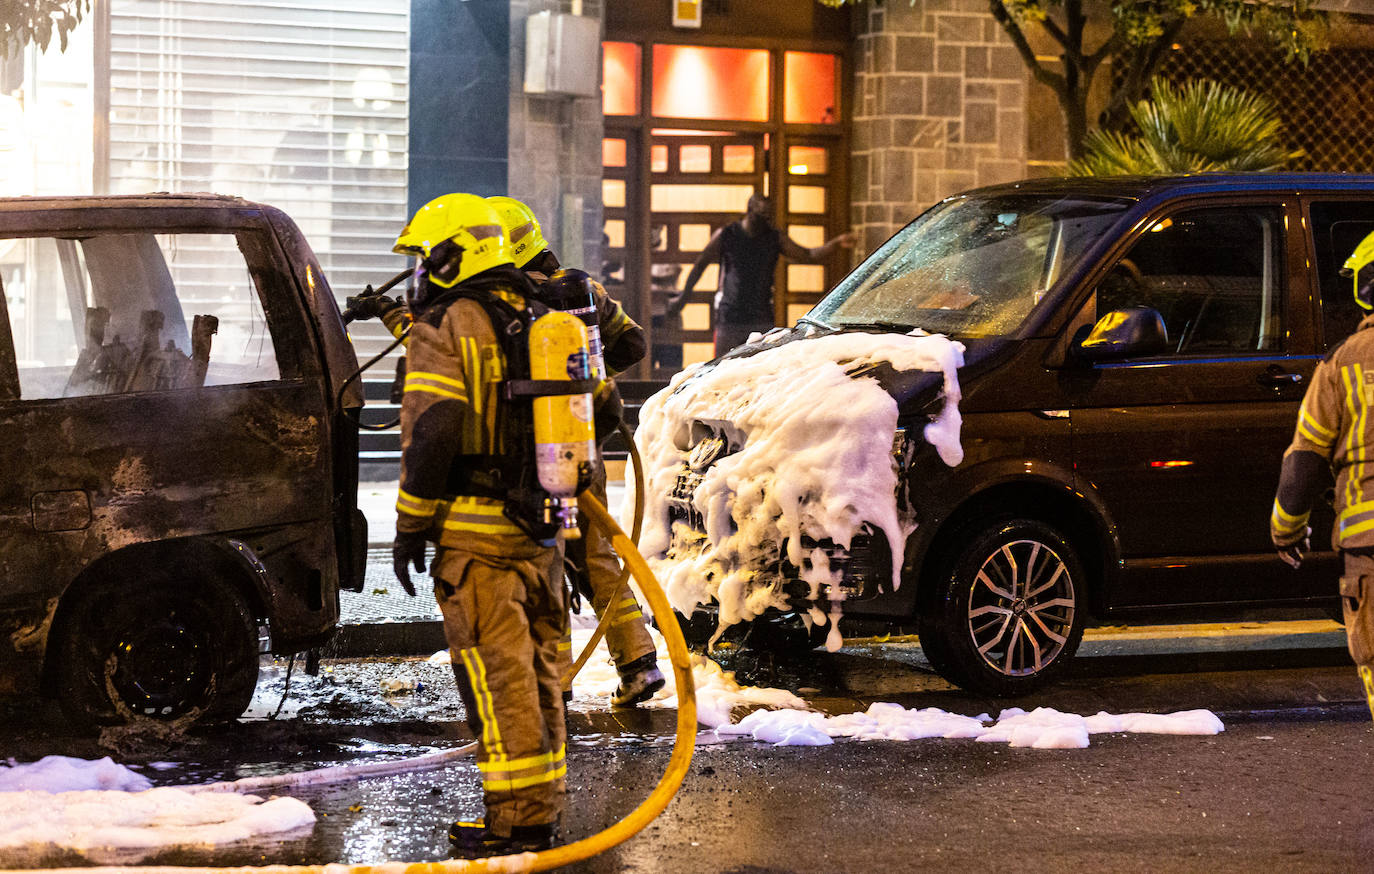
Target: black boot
639 680
473 840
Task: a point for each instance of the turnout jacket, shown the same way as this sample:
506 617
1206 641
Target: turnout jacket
452 406
1335 428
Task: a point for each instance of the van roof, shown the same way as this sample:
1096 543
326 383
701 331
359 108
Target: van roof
1145 187
159 198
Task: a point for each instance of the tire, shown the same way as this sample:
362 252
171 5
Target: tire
165 648
1007 614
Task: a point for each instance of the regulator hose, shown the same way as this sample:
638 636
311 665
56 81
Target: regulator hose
684 744
606 615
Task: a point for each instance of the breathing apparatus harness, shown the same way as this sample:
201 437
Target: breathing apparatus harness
545 425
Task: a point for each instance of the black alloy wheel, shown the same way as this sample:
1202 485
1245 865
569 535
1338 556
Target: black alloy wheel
1009 613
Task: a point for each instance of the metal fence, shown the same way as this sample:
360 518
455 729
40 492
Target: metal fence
1327 106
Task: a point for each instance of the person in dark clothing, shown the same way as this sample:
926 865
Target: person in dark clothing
748 252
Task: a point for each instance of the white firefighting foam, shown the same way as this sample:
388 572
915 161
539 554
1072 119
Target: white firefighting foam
104 812
816 459
785 719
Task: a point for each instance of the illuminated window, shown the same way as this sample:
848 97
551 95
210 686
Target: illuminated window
809 94
807 160
658 159
619 78
805 277
693 237
615 233
738 159
694 159
698 198
806 198
613 192
809 236
612 153
716 83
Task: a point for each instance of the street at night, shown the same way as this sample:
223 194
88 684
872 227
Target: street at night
1284 781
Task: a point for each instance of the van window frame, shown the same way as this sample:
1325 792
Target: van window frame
1309 242
277 295
1298 338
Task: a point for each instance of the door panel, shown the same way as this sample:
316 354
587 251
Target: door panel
1184 447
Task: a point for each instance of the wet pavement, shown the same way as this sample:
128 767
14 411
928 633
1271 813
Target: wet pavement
1285 784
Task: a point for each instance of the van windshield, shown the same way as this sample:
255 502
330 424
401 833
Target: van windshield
973 266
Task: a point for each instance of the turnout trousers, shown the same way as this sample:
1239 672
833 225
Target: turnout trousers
1357 608
598 570
504 615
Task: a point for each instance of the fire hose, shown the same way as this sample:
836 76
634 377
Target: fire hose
683 746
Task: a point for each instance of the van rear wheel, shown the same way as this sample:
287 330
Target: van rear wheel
1008 613
168 648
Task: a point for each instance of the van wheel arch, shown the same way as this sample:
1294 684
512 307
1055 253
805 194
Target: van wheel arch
227 585
1050 503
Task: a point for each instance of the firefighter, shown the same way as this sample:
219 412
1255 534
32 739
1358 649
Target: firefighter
1335 433
595 566
466 461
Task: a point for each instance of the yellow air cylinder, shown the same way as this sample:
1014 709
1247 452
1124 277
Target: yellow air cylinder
564 439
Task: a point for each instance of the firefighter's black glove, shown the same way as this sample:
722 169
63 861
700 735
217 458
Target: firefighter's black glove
408 549
1291 551
370 306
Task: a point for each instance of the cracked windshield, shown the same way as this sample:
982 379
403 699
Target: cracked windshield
972 267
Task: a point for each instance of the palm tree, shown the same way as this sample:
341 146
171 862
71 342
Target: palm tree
1195 127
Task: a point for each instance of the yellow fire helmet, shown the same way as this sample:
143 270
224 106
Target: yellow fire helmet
522 228
1356 267
455 236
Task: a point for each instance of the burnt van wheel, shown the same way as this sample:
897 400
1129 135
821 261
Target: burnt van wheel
1009 612
164 649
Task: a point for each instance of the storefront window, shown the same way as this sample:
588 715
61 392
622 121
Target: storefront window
715 83
620 78
809 94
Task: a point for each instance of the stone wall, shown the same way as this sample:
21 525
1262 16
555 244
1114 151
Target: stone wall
939 106
555 148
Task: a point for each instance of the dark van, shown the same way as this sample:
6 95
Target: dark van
179 470
1136 351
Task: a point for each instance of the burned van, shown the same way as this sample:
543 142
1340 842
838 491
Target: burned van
1036 406
179 469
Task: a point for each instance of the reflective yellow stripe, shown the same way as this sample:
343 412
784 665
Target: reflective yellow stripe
1368 677
1350 493
1313 431
492 527
1281 522
1361 451
408 503
1357 509
480 515
417 385
520 764
477 673
523 782
1357 528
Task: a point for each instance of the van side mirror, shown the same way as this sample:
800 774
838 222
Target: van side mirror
1125 333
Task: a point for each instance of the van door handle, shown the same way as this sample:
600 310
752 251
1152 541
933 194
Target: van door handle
1276 377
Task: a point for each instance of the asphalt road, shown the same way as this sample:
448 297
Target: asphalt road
1285 786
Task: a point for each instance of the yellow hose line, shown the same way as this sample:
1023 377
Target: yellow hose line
608 614
632 824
